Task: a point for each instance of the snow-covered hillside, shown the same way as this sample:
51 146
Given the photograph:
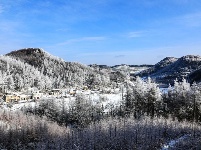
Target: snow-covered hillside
131 69
170 68
47 71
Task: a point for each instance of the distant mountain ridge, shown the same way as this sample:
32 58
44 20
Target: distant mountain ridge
170 68
159 66
123 68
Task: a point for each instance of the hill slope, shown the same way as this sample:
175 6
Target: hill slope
18 75
195 76
59 72
159 66
167 70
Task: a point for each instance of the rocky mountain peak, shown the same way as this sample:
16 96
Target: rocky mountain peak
166 61
191 58
27 51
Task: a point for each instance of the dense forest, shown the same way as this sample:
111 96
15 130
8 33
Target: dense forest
145 114
36 68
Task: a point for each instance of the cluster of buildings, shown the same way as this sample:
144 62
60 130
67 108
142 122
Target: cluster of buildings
34 94
15 97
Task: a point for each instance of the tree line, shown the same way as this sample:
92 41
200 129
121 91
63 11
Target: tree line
139 99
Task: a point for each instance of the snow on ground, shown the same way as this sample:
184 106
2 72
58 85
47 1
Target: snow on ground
19 106
108 101
164 90
130 69
137 70
2 124
113 101
172 143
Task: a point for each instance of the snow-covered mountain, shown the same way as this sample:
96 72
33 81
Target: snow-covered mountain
131 69
123 68
170 68
159 66
35 67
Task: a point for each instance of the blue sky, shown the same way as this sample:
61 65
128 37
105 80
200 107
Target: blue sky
103 32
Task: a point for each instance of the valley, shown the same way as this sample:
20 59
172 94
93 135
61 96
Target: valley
124 103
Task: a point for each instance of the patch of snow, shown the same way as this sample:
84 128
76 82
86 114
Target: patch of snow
21 105
164 90
172 143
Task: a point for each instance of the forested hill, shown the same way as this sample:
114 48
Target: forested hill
18 75
195 76
170 68
159 66
52 72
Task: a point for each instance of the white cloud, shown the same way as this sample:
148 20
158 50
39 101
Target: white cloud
83 39
136 34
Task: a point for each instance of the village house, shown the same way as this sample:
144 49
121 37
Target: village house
16 97
55 92
11 98
25 96
37 95
85 88
72 92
